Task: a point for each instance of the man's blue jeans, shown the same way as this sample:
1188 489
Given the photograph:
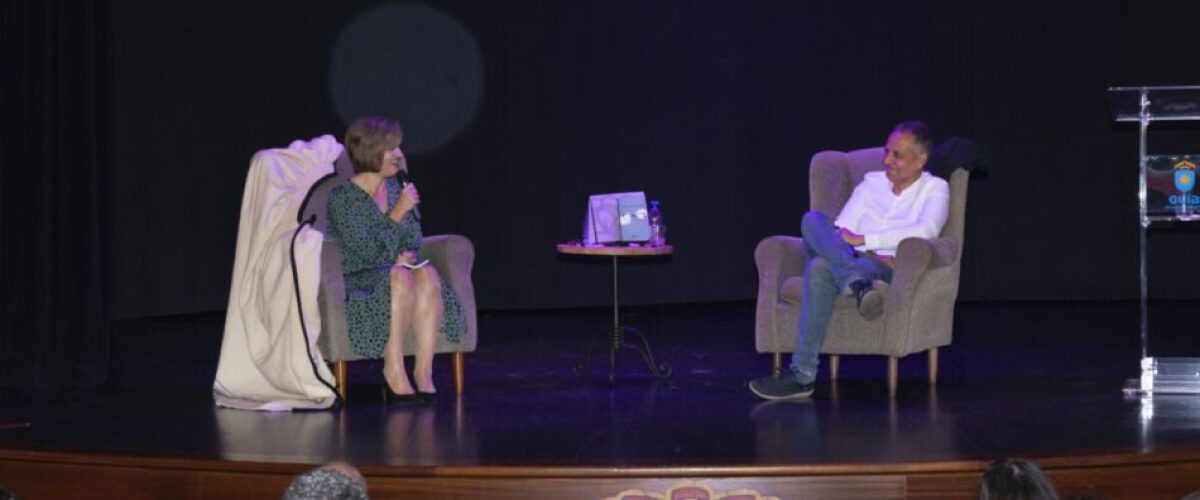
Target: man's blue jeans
832 266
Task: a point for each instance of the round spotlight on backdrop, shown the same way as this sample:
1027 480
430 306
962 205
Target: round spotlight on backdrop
410 62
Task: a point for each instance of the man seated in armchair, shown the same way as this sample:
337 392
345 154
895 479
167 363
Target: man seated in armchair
848 255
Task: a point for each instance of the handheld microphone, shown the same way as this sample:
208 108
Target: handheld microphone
402 176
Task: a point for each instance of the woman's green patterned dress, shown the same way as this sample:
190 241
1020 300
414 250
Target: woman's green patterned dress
370 242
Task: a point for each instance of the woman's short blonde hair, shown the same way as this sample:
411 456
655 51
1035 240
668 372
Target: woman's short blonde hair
368 139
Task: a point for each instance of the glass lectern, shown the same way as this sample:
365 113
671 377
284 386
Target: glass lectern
1166 192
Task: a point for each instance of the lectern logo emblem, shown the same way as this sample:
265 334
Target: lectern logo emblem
1185 176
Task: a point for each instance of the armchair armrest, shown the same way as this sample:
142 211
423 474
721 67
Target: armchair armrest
915 257
453 256
777 258
945 252
926 253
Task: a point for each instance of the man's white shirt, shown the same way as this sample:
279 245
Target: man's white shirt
884 218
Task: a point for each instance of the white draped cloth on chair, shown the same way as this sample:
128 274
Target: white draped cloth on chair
267 362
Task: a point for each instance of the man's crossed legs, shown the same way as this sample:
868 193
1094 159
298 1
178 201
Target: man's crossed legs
833 269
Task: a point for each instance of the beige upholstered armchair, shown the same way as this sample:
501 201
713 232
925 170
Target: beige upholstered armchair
453 256
919 303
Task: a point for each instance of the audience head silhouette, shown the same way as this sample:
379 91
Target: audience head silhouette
1015 479
334 480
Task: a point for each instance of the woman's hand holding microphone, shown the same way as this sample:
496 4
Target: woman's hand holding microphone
409 199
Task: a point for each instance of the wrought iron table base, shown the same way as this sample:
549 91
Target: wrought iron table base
613 339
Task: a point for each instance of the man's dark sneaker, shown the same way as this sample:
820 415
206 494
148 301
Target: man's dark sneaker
870 300
782 386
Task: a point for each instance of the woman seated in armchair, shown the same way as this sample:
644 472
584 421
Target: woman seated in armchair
390 289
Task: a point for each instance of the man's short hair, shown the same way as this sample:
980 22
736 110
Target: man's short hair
920 132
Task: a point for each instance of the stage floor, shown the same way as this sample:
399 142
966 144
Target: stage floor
1041 381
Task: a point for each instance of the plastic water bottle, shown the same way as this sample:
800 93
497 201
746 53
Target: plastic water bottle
657 229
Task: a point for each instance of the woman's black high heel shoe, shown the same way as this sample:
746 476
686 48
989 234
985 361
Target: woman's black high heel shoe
391 398
428 397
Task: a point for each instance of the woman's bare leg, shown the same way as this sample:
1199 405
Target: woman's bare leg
403 299
427 318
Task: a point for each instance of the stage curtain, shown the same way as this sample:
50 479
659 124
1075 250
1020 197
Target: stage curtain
54 335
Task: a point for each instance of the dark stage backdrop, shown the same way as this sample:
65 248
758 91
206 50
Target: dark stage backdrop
713 107
54 327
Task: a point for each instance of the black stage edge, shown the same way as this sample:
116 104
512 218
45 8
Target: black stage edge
1041 381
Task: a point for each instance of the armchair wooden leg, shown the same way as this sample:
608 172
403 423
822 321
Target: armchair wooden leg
776 363
893 374
835 363
457 361
933 365
339 377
